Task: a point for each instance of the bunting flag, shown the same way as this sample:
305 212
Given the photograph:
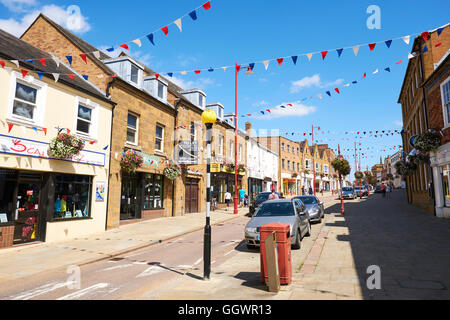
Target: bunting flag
69 59
125 46
16 62
193 15
372 46
266 64
71 76
45 130
425 35
24 73
42 61
406 39
207 5
439 31
280 61
150 38
178 24
309 55
165 30
138 42
10 126
84 57
339 52
324 54
294 59
2 63
40 74
356 50
388 43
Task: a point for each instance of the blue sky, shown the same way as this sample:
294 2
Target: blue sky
249 31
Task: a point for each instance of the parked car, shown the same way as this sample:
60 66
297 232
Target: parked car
378 189
361 190
314 206
260 198
348 193
291 212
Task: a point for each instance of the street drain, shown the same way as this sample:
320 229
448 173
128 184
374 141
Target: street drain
116 259
422 284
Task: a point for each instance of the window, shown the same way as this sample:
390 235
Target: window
72 197
200 100
325 169
84 119
160 90
289 165
240 152
282 163
445 92
220 113
132 128
25 101
298 167
293 165
317 166
153 191
159 139
307 164
220 151
288 148
282 146
298 151
231 148
134 74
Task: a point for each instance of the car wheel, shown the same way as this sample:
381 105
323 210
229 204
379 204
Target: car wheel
298 241
308 231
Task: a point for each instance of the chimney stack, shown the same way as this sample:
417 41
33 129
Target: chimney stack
248 128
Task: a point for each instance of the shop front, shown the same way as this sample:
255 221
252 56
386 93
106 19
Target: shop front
440 164
222 182
255 187
290 187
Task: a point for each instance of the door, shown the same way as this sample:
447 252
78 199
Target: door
129 203
191 196
27 218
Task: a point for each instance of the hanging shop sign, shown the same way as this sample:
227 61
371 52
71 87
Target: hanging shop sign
149 159
187 152
215 167
37 149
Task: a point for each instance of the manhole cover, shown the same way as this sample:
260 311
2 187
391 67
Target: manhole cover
422 284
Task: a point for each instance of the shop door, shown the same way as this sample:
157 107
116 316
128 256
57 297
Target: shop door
27 219
129 203
191 196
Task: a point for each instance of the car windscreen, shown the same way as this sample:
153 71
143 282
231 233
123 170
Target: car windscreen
262 197
347 189
308 200
272 209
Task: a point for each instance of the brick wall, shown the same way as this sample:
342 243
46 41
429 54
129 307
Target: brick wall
6 236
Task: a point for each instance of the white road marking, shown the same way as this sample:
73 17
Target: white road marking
184 267
46 288
83 292
150 271
117 267
198 261
229 252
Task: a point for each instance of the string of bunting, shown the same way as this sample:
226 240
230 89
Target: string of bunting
251 65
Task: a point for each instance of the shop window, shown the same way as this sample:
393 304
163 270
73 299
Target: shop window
72 197
84 119
8 179
445 92
153 191
446 184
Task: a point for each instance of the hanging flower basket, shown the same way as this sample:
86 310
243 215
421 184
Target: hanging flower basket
419 158
341 166
228 166
405 168
65 146
131 161
294 175
359 175
242 168
172 170
427 142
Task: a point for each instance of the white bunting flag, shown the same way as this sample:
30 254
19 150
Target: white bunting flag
347 85
183 73
224 68
309 55
138 42
56 61
320 96
56 76
375 72
97 54
356 50
16 63
178 23
266 64
100 76
410 56
406 39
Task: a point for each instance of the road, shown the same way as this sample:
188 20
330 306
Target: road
129 276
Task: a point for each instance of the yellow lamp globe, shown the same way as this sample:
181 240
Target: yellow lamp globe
209 117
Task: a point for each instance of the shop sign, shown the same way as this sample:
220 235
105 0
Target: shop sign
37 149
215 167
149 159
187 152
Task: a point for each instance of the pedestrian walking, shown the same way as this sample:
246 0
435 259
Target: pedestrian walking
311 191
388 191
303 190
227 199
242 197
383 190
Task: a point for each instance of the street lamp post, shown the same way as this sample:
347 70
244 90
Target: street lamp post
208 118
340 182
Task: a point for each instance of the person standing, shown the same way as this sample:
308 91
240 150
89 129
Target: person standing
303 190
273 196
227 199
383 190
310 191
242 196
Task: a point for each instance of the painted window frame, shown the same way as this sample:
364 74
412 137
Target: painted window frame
136 134
93 129
41 98
445 106
161 139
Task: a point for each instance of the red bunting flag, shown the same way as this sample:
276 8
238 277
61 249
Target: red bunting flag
84 57
165 30
92 142
125 46
365 75
238 68
372 46
42 61
280 61
290 105
207 5
45 130
324 54
71 76
10 126
249 114
337 90
24 73
157 75
438 44
425 35
68 131
2 63
268 110
197 71
399 62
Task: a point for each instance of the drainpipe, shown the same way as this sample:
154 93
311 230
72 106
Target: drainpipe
108 87
174 152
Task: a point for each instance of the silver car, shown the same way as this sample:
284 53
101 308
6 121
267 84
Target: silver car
348 193
314 206
291 212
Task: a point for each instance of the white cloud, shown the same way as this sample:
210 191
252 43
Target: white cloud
70 18
200 83
261 103
18 5
398 123
297 110
314 81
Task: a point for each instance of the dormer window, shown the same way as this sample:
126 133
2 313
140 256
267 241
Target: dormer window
156 87
134 74
127 69
217 108
196 97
